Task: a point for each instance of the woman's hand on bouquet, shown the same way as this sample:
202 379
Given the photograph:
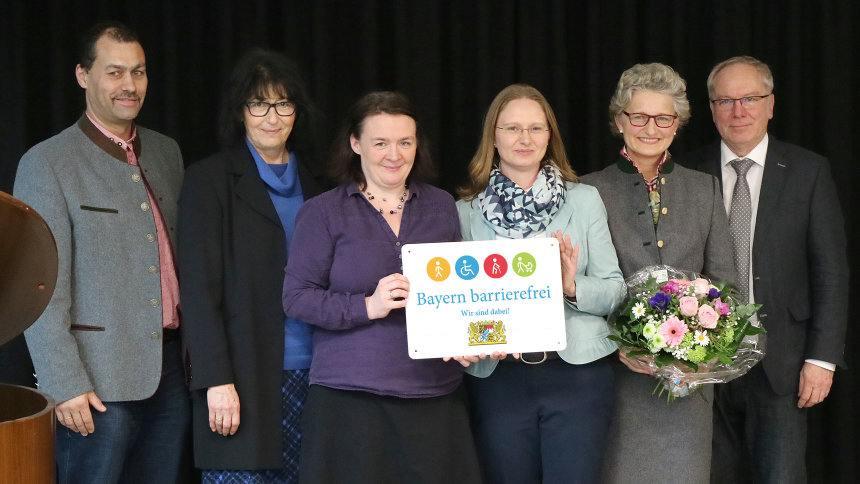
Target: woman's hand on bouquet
223 404
635 365
391 293
569 258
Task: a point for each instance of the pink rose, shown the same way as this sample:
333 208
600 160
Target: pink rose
688 305
720 306
701 287
682 282
673 330
708 317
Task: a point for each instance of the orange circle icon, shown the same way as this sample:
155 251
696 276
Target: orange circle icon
438 269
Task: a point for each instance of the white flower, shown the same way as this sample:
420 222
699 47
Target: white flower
638 310
681 353
701 338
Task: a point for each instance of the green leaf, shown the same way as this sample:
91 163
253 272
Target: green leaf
724 359
663 359
635 353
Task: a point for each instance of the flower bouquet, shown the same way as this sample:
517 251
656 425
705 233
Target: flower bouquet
689 331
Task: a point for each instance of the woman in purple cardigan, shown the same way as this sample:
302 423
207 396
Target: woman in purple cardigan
373 414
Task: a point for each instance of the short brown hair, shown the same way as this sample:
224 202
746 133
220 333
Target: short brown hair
345 164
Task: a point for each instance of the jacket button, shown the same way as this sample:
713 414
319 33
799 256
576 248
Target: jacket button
153 302
397 243
144 206
660 243
150 238
153 269
135 177
664 211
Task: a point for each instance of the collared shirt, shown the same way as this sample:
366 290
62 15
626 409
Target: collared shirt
651 185
346 247
167 267
754 177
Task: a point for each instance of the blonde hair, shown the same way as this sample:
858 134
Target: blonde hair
486 156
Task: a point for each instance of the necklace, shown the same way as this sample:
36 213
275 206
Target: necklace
393 210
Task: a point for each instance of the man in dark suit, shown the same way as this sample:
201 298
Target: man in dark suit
790 252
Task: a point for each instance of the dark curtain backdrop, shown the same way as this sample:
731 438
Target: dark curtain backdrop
452 57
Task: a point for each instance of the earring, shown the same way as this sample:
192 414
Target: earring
620 131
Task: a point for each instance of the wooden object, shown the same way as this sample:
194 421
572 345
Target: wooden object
27 427
28 266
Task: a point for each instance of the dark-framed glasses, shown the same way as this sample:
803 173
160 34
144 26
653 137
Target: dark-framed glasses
641 119
258 109
726 103
533 131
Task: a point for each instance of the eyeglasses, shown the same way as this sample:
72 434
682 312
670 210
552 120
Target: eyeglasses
533 131
641 119
746 101
259 109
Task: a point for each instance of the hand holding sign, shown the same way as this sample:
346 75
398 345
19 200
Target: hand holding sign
390 293
569 258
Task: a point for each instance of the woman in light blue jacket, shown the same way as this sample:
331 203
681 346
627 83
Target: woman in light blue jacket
542 417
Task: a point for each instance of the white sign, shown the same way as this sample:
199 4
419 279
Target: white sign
468 298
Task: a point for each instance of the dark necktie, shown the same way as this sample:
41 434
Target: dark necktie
739 226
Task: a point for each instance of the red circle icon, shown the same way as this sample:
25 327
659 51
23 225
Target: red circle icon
495 266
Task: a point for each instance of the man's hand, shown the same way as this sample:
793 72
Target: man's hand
75 412
815 384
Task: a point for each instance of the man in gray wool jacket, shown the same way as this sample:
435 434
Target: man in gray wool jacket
107 347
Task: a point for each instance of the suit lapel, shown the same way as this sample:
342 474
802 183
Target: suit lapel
249 187
772 186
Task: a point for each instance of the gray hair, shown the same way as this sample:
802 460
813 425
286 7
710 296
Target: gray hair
650 77
761 67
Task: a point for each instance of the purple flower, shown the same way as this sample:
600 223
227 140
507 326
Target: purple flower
714 293
660 301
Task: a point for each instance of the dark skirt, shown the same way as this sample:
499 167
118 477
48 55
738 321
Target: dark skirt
360 437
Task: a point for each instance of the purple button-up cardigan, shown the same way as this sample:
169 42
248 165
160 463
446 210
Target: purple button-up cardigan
341 248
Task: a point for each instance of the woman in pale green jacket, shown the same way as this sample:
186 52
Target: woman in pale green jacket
542 417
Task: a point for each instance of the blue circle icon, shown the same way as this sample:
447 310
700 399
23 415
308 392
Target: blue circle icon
467 267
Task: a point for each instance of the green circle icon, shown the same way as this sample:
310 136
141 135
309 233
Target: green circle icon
523 264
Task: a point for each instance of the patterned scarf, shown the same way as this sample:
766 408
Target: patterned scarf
516 213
